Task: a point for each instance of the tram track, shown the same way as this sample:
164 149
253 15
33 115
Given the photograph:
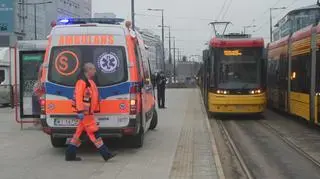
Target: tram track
262 151
290 143
235 150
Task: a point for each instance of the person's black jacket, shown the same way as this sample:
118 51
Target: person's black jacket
161 82
153 80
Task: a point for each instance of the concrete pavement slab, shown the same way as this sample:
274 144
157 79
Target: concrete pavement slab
29 154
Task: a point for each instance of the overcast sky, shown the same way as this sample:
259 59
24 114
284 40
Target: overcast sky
189 18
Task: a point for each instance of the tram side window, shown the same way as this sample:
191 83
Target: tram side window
283 67
318 72
277 70
212 67
283 72
272 74
300 73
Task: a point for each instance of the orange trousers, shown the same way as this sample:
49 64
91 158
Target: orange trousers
89 125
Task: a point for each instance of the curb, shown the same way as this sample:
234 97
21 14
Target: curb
213 141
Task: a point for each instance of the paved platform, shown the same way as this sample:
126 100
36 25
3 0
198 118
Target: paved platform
194 157
179 148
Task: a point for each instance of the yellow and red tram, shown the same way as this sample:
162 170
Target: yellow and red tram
233 75
294 74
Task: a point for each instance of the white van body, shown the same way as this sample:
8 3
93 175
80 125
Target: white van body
5 82
27 47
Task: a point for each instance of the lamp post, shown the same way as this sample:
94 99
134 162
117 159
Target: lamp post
132 14
35 13
271 9
174 59
174 53
162 10
248 26
170 57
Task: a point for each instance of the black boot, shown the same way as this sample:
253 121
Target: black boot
71 154
105 153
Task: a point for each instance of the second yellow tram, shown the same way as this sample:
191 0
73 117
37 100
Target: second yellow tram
233 75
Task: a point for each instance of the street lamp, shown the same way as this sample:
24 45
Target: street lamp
174 59
35 13
174 53
162 10
132 14
170 57
248 26
271 9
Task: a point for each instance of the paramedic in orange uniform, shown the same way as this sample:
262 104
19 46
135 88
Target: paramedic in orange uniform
86 103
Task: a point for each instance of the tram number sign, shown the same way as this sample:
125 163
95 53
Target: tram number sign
232 53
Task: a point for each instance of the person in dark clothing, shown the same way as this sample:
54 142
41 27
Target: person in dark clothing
161 88
153 80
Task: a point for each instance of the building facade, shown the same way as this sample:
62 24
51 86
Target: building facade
7 25
155 50
67 9
29 20
296 20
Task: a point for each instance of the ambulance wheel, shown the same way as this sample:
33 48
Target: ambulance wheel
154 120
58 142
137 140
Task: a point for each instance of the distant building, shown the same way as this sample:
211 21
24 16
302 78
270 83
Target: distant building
296 20
105 15
155 48
186 69
17 18
66 9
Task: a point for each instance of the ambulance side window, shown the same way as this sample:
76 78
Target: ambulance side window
147 78
146 71
145 65
2 75
138 57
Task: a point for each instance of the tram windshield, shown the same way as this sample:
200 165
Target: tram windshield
239 68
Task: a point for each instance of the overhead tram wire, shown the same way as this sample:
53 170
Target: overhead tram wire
293 2
266 22
181 29
265 12
194 18
225 13
222 8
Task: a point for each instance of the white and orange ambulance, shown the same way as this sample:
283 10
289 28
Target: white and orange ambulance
127 106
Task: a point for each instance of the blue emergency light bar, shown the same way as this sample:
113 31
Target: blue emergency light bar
115 21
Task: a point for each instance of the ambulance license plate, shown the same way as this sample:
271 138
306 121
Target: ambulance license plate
66 122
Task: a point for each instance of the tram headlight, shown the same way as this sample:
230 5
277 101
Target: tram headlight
258 91
222 92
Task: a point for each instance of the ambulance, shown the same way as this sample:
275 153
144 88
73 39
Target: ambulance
127 105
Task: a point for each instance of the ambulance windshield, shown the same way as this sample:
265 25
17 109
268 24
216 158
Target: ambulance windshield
66 62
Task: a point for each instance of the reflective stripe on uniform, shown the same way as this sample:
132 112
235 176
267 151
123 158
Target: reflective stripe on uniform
99 142
75 141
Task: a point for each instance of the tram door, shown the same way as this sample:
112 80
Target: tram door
283 82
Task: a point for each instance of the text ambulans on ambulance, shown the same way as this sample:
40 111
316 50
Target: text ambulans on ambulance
127 105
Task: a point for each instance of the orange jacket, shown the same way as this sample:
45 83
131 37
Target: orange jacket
86 98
